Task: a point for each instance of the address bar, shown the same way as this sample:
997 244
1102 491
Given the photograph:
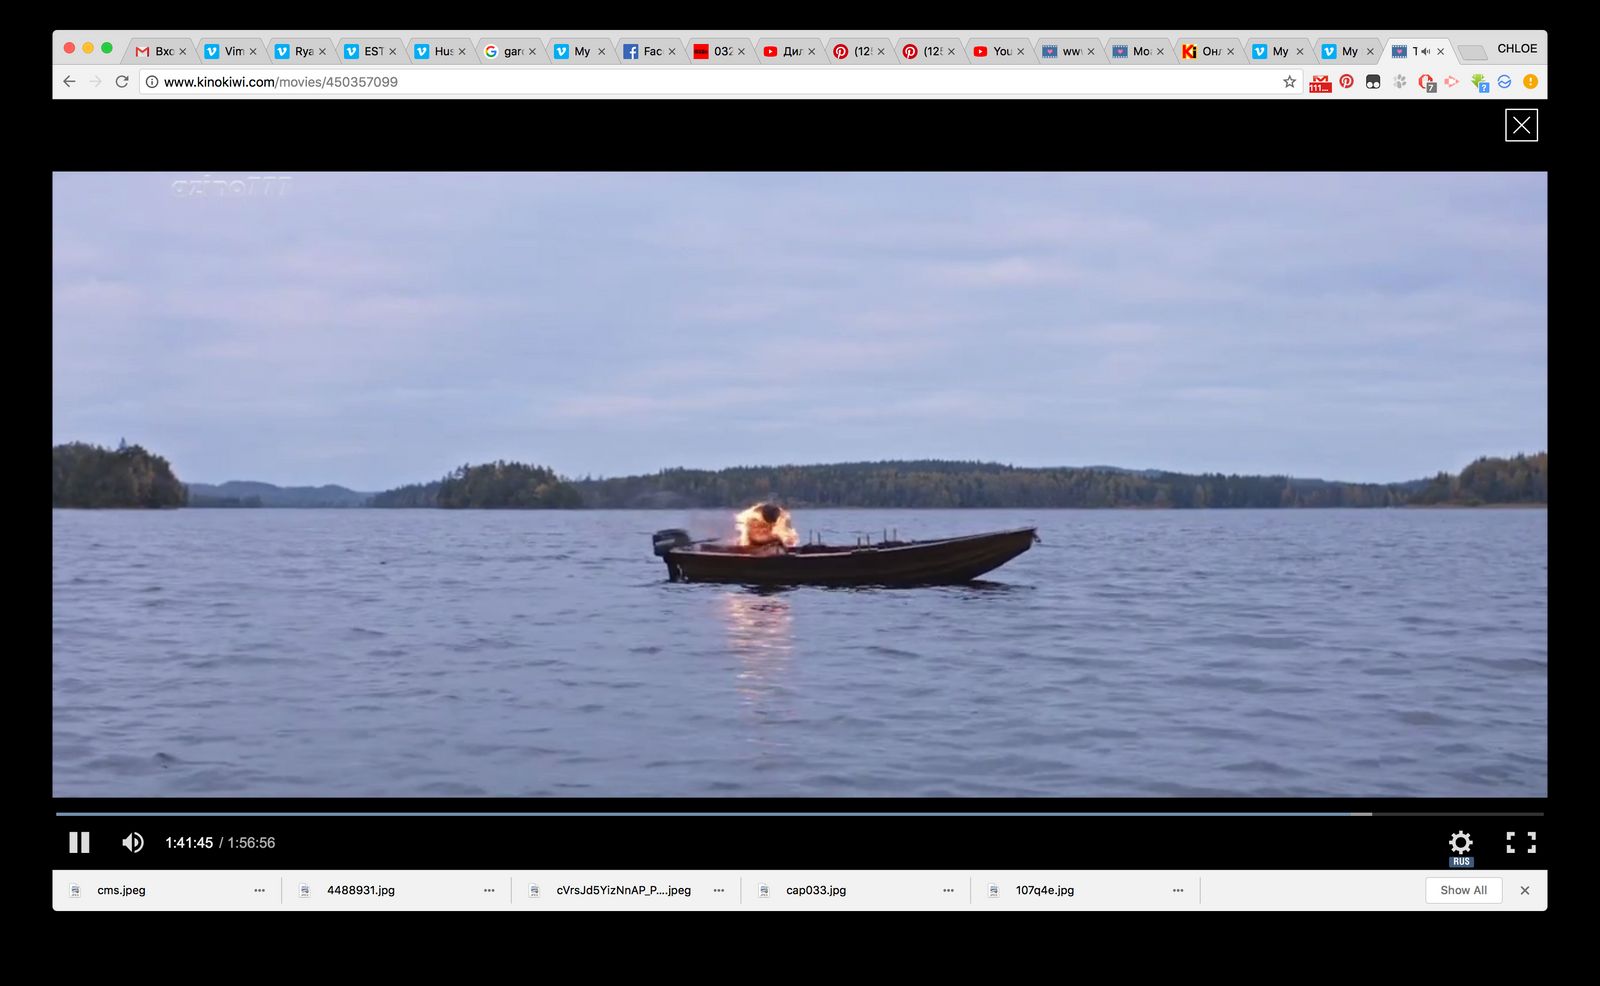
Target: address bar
722 81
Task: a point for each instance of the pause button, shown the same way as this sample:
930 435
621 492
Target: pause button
78 842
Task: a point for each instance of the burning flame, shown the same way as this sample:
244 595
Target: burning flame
754 529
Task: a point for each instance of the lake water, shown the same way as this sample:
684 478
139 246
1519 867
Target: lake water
403 653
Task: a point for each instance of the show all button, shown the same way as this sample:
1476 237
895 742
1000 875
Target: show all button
1464 890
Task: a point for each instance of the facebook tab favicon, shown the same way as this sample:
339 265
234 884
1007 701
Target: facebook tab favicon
1258 52
630 52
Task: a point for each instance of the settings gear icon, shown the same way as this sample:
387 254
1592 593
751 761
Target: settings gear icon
1460 842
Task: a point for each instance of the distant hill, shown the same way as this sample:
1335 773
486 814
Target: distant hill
248 494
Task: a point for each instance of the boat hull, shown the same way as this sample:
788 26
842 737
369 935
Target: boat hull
943 562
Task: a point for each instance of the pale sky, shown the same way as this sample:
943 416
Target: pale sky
378 329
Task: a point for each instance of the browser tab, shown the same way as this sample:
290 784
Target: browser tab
861 50
447 51
372 51
640 51
791 50
582 51
729 50
513 51
1285 51
302 51
1144 50
1348 51
988 51
233 51
161 50
932 51
1210 51
1071 51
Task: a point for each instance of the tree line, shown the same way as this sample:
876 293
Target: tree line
84 475
495 485
1520 479
90 476
920 484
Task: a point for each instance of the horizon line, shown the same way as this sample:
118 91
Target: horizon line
856 462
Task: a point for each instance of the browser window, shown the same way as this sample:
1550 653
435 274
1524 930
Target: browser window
725 469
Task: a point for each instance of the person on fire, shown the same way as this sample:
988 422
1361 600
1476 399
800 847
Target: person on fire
765 528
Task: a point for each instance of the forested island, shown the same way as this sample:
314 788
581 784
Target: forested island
84 475
497 485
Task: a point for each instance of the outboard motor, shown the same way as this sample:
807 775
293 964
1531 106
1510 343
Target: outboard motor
664 542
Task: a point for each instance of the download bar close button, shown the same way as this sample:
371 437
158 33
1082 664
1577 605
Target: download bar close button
1464 890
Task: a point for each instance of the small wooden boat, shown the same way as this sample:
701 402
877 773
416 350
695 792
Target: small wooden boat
889 563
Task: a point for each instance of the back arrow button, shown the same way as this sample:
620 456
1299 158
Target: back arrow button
68 82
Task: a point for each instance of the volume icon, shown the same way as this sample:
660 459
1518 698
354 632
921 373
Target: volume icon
133 842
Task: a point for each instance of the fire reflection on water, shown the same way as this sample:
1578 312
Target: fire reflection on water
761 632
